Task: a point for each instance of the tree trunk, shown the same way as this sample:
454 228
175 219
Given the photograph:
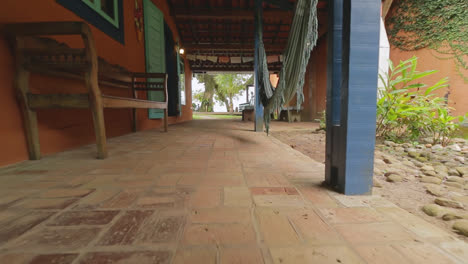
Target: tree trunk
226 102
231 104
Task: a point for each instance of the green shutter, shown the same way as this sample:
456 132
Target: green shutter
154 49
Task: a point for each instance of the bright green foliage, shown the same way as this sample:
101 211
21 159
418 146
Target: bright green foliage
205 105
441 25
409 110
229 86
322 121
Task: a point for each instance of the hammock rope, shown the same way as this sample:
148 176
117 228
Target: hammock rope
301 40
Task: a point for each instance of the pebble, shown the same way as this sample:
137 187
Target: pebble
453 172
434 190
453 216
454 147
393 171
418 164
427 168
428 179
448 203
461 226
377 184
437 147
438 168
454 184
441 175
399 149
394 178
456 179
462 170
433 209
430 173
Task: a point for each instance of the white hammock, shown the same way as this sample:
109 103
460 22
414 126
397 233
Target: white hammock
302 39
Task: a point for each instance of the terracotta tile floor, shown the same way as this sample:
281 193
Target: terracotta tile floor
209 191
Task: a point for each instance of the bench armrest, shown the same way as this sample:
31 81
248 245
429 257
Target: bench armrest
148 75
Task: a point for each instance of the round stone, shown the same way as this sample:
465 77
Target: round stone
451 216
394 178
448 203
454 147
428 179
453 172
454 184
461 226
376 183
462 170
414 154
437 147
430 173
433 210
434 190
456 179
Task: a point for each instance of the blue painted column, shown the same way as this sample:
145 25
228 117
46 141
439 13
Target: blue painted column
258 104
351 94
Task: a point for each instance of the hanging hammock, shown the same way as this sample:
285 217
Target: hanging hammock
302 39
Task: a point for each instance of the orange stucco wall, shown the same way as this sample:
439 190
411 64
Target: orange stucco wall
315 83
62 129
428 60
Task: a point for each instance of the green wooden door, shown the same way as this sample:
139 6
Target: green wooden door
154 49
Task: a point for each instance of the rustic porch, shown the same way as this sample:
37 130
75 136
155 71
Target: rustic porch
210 191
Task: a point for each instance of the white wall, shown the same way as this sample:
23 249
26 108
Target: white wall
384 52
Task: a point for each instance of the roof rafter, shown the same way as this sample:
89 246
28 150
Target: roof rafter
229 14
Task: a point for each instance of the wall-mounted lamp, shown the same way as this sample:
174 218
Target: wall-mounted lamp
181 51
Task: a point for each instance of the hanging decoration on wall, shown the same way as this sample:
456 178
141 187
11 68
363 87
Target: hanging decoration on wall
227 59
138 17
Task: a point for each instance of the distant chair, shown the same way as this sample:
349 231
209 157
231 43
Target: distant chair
247 109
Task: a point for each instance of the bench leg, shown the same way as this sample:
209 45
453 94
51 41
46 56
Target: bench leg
134 122
165 120
29 115
99 130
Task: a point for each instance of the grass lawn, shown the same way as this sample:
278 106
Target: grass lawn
214 116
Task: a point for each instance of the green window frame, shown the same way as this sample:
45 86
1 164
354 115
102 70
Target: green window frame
181 69
97 7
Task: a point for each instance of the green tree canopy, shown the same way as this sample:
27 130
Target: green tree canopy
222 87
206 97
229 86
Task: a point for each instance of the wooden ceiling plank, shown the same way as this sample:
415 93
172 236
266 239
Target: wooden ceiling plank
230 14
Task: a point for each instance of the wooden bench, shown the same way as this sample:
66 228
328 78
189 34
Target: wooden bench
290 114
46 56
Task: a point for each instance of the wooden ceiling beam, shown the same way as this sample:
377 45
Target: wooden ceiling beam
230 14
229 47
230 69
283 4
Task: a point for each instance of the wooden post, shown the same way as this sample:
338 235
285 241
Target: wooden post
165 100
258 104
95 98
134 112
165 120
352 94
29 115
